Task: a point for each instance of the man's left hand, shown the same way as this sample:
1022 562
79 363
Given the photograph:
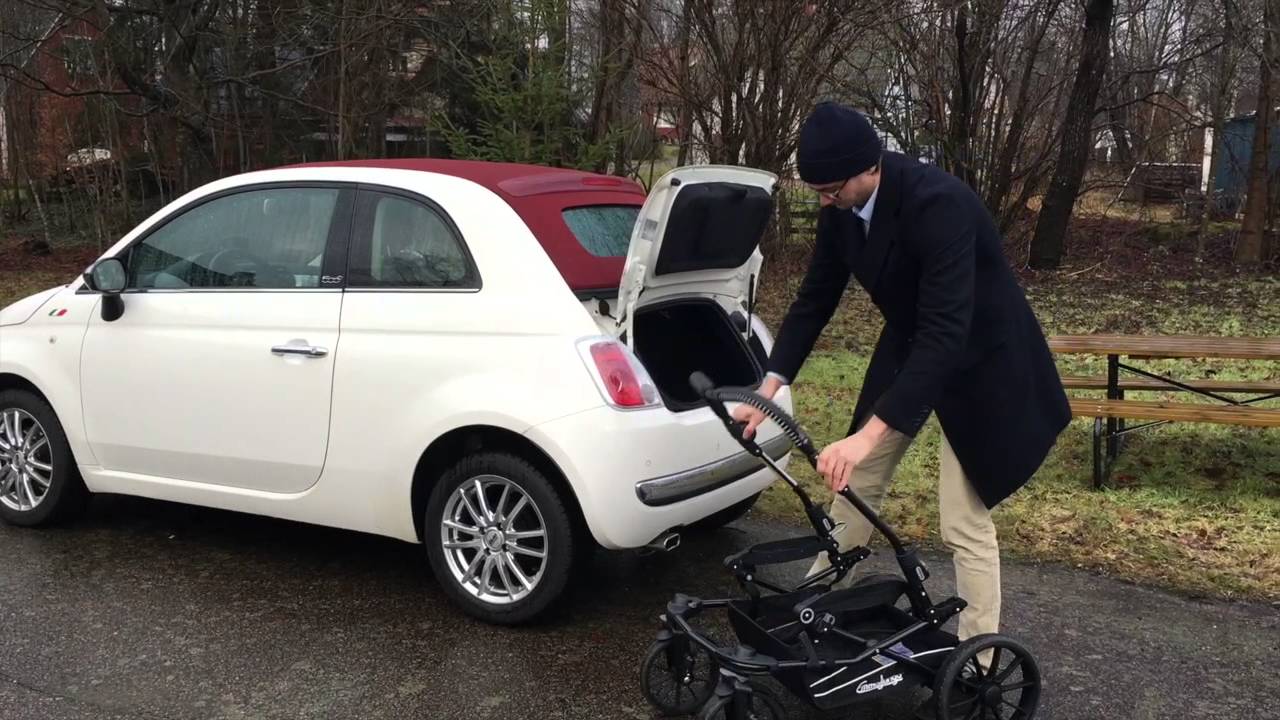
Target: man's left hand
837 461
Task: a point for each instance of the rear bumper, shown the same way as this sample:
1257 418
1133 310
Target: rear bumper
638 475
676 487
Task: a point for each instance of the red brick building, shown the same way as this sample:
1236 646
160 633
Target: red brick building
48 110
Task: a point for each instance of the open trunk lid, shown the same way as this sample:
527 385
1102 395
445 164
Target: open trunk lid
698 233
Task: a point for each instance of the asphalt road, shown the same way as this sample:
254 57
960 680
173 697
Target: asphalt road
153 610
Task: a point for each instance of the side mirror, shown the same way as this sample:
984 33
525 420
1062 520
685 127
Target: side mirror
108 277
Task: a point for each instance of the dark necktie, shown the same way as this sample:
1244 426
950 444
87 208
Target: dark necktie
857 235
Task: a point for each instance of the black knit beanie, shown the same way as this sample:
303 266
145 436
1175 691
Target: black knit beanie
836 143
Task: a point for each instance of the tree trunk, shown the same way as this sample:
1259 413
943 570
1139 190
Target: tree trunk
115 133
1218 117
264 58
1254 225
973 30
604 96
959 141
998 190
376 132
557 25
685 122
1120 136
341 151
1206 214
1077 132
39 246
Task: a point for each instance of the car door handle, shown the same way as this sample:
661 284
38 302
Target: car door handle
311 351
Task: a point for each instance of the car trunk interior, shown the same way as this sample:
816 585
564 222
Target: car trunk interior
674 339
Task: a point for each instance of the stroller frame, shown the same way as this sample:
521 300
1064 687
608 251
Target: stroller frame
819 618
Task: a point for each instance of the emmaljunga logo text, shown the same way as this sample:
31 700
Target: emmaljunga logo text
882 683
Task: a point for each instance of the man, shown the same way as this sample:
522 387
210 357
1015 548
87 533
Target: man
959 339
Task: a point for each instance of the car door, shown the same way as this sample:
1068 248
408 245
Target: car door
411 322
220 369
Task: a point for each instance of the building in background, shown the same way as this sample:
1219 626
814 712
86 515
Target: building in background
51 127
1234 151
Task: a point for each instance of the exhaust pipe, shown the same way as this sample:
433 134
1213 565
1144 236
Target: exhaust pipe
664 543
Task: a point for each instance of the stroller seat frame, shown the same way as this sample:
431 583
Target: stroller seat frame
830 647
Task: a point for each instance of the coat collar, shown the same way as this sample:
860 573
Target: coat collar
866 212
884 223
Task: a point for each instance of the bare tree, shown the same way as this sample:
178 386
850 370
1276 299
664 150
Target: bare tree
1250 249
753 70
1077 136
619 26
1220 93
1003 93
976 87
1154 45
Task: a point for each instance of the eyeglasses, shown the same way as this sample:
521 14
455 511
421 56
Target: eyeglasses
834 195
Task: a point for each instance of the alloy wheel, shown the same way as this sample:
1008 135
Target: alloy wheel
494 539
26 460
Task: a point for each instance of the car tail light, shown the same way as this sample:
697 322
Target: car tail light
622 380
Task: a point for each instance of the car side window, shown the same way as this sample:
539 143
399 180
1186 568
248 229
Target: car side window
407 244
273 238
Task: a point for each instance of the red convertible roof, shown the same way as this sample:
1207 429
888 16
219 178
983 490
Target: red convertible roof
539 195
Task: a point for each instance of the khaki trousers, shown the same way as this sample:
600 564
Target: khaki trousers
965 521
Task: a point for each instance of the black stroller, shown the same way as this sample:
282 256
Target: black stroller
831 648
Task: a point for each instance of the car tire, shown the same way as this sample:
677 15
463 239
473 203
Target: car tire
500 539
40 483
719 519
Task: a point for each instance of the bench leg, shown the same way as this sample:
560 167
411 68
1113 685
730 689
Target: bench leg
1120 439
1099 459
1113 393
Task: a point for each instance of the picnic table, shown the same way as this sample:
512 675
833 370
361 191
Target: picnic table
1122 350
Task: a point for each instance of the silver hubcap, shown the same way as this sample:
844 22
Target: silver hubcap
494 539
26 460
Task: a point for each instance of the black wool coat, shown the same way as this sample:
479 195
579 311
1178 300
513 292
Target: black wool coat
959 338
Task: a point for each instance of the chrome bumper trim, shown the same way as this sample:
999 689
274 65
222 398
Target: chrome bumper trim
680 486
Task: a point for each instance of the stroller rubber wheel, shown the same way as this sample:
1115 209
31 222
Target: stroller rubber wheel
1008 690
677 677
763 706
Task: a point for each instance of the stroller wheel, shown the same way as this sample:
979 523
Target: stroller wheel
677 677
1008 690
760 705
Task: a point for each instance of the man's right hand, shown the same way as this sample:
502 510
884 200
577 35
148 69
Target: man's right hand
751 416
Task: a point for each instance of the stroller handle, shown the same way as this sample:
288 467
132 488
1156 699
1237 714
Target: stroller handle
717 397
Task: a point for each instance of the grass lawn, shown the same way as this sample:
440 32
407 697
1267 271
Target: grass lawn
22 274
15 286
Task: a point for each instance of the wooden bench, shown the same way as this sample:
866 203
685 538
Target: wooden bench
1110 413
1084 382
803 215
1175 412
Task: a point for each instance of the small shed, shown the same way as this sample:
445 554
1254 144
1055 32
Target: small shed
1234 151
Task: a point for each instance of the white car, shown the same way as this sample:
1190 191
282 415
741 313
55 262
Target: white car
488 359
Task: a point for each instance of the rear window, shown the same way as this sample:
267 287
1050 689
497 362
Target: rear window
602 230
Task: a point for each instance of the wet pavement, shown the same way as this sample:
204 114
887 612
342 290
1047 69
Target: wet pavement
154 610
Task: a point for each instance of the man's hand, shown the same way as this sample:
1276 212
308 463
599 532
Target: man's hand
837 460
751 416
